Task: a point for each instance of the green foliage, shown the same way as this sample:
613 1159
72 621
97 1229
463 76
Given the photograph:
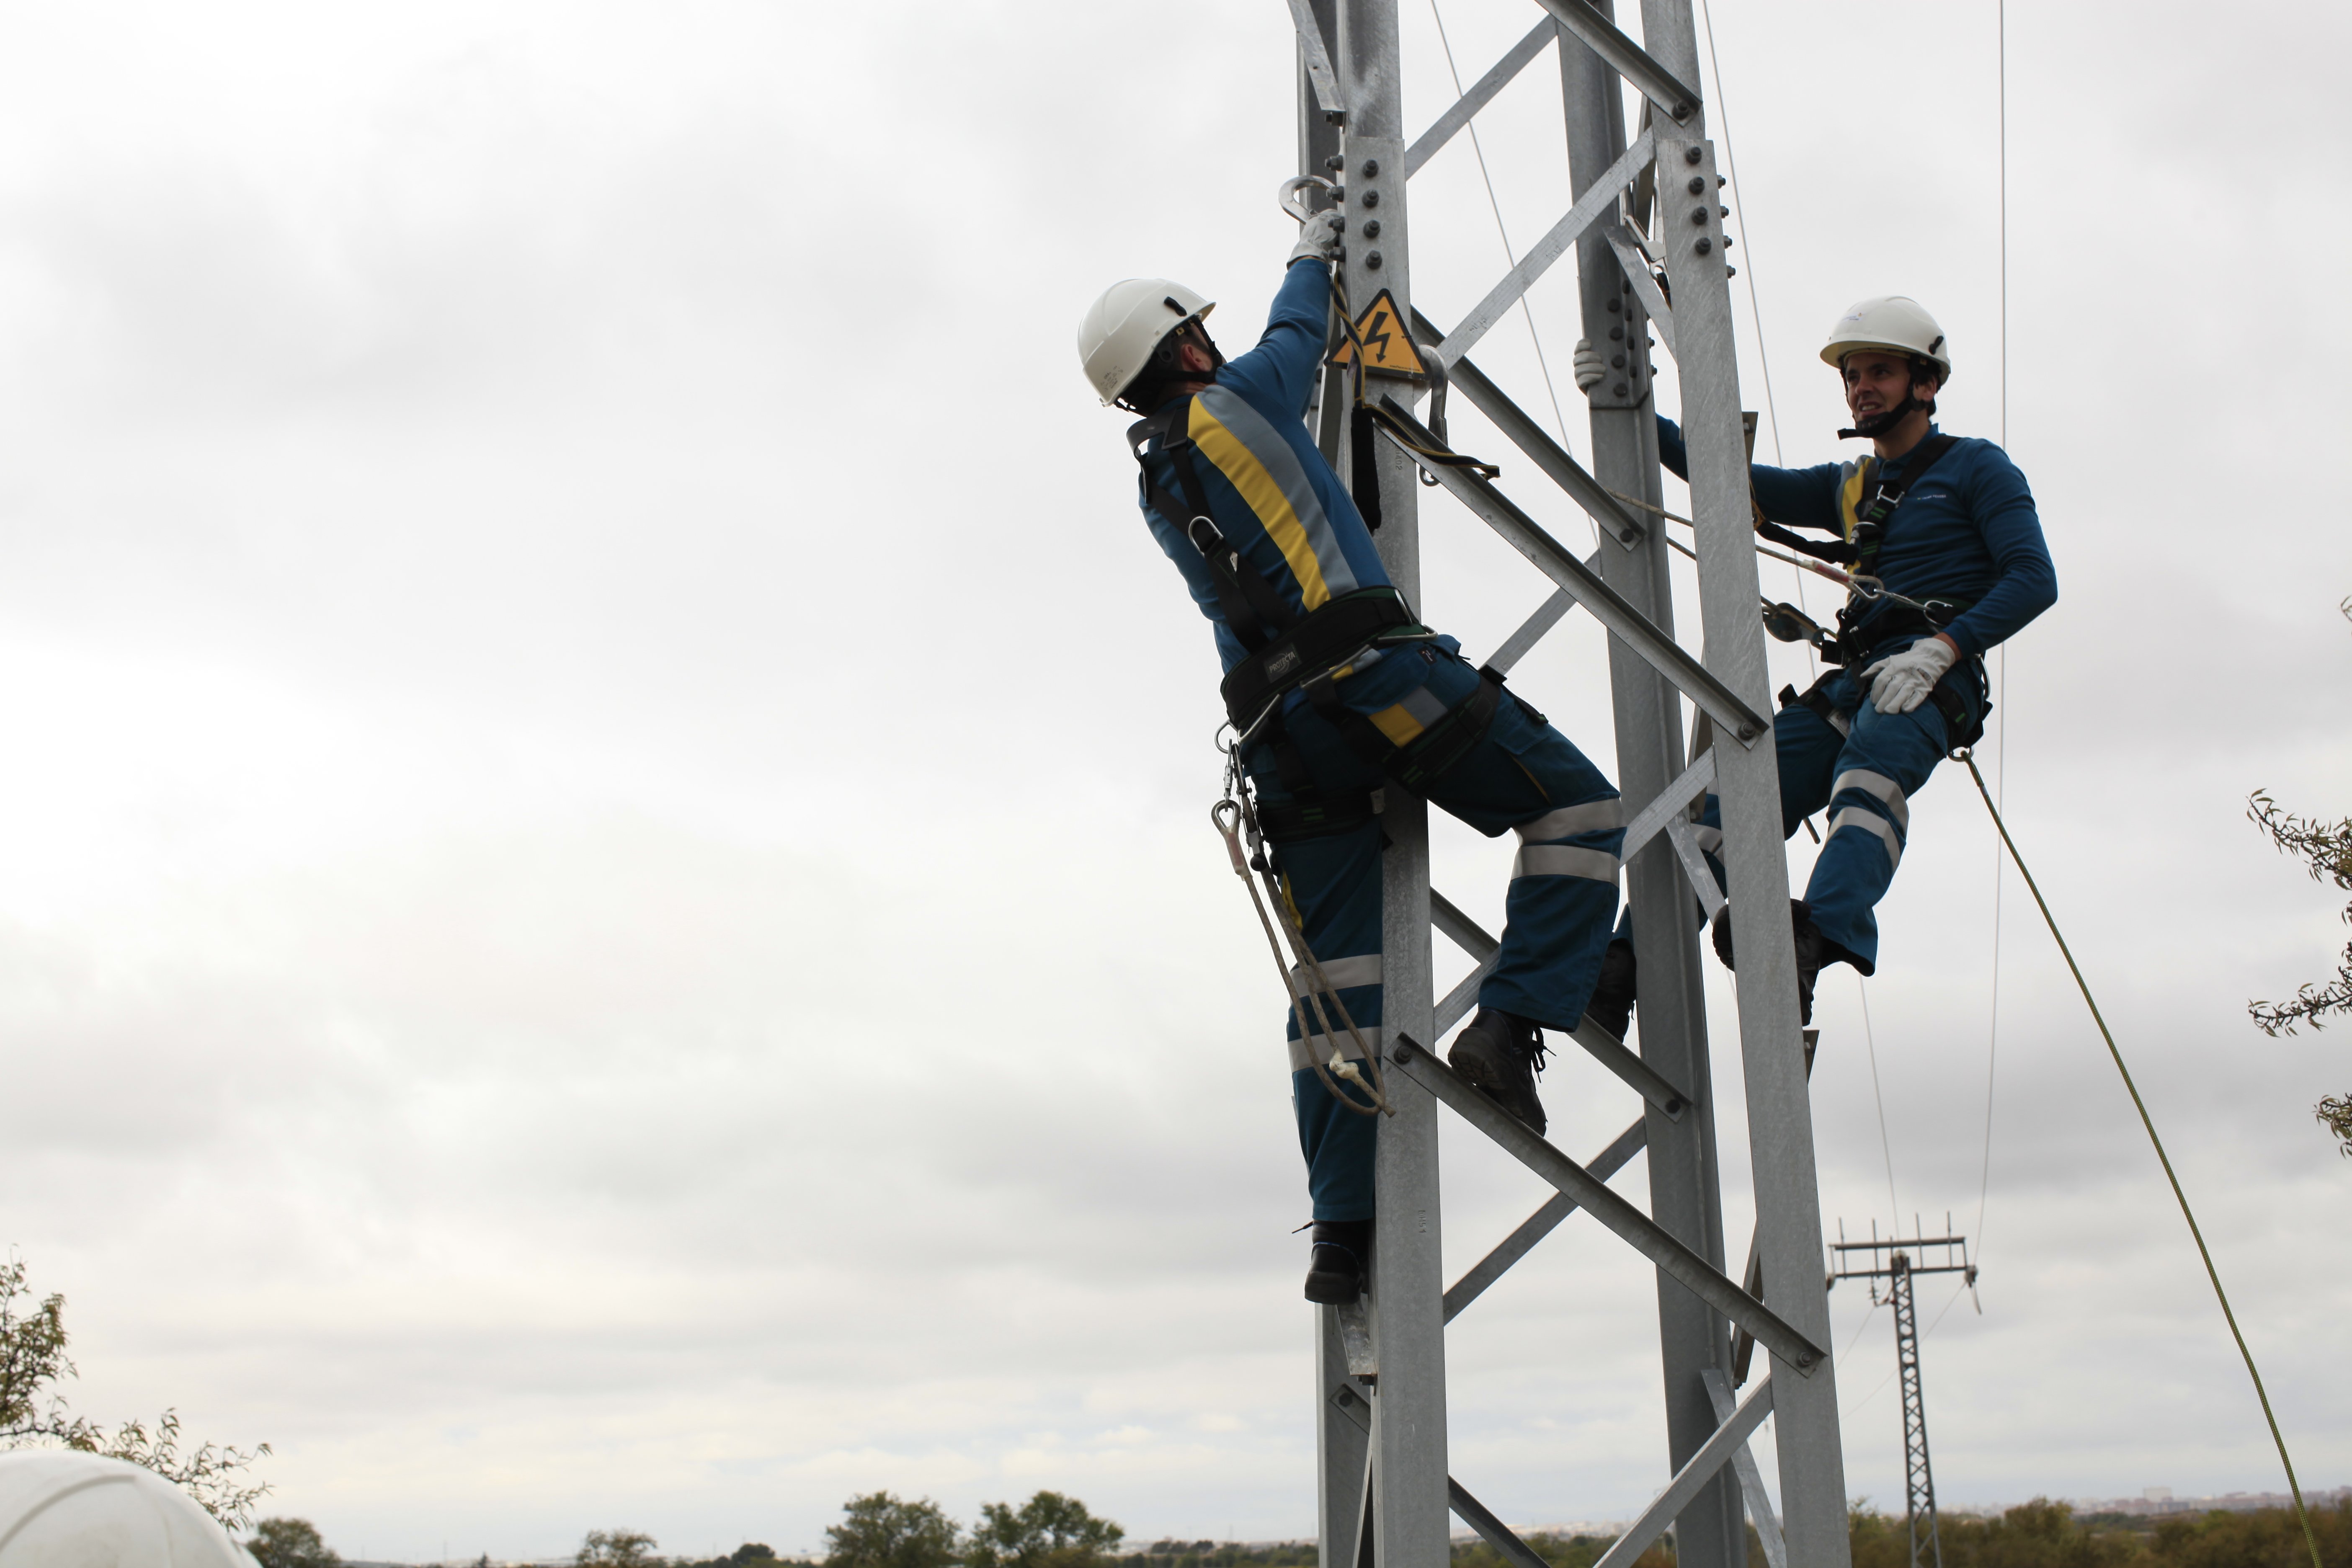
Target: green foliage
33 1359
290 1544
882 1531
2045 1534
1565 1551
1049 1530
617 1549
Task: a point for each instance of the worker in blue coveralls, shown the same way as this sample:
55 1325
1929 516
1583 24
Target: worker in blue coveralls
1339 694
1947 528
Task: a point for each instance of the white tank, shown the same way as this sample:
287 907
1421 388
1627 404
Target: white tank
80 1510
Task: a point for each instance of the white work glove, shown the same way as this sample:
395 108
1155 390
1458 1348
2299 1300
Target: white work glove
1590 368
1319 236
1899 684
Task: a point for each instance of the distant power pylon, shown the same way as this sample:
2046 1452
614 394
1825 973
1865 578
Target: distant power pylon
1905 1258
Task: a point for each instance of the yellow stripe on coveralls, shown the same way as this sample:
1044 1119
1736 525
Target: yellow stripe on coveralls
1264 495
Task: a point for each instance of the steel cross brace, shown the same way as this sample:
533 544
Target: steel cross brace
1587 211
1474 1514
1605 1048
1729 1440
1625 57
1637 1230
1694 679
1541 1223
1482 92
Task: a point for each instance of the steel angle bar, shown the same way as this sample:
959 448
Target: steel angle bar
1607 1049
1671 802
1462 998
1589 208
1694 864
1458 928
1541 1223
1625 57
1481 93
1635 264
1551 558
1473 1514
1319 62
1498 1536
1729 1438
1635 1227
1548 614
1541 449
1751 1479
1638 1075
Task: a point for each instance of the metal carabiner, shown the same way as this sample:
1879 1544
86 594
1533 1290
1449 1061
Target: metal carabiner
1286 197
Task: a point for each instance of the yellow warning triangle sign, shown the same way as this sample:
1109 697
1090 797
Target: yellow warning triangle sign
1388 345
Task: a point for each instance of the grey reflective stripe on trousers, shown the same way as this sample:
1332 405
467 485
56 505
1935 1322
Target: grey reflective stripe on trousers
1870 821
1305 1053
1592 816
1422 704
1879 785
1364 969
1266 444
1564 860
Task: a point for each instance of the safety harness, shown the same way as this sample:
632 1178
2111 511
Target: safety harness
1869 620
1309 653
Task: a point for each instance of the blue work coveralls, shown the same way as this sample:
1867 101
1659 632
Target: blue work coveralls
1280 506
1966 530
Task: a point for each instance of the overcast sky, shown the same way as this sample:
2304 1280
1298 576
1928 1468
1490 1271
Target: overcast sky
606 916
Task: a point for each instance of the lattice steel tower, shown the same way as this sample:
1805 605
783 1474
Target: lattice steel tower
1903 1259
1645 208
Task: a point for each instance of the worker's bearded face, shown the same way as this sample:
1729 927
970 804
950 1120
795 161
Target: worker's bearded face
1876 385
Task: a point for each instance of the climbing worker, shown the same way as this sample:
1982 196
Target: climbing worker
1338 696
1941 538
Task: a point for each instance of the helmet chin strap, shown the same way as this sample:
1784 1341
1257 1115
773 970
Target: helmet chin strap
1873 426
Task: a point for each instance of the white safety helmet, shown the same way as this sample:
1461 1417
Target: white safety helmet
1892 324
1122 328
82 1510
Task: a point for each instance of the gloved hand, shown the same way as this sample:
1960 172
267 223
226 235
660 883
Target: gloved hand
1590 368
1899 684
1320 237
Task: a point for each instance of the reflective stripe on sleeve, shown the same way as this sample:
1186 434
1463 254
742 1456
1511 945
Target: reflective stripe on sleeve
1564 860
1870 821
1879 785
1592 816
1708 839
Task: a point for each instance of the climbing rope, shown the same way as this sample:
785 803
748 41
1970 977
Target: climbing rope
2162 1158
1231 816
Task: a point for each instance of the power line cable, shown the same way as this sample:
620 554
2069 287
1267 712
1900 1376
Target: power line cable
2001 703
1870 1044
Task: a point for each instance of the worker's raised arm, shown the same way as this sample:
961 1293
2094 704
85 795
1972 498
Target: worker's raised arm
1278 375
1796 498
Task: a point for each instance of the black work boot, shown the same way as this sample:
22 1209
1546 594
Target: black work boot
1815 952
1499 1055
1341 1262
1612 1006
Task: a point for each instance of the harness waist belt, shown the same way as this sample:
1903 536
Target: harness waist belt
1313 645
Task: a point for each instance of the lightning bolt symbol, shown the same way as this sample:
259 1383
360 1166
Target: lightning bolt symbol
1376 338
